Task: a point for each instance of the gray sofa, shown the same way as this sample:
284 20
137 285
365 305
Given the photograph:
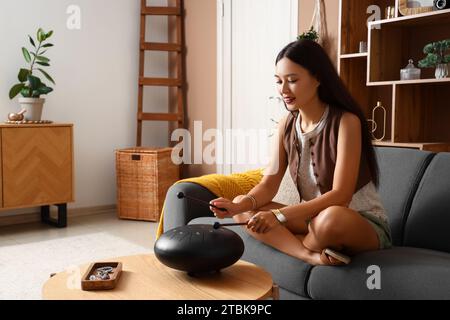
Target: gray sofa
415 189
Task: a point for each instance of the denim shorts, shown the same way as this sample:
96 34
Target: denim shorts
381 228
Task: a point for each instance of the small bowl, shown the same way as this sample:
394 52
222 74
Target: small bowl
15 117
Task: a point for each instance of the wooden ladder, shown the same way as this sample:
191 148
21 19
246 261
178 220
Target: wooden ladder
178 82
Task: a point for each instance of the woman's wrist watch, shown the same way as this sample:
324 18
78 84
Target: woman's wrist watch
280 216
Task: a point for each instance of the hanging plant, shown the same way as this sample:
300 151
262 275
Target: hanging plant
311 34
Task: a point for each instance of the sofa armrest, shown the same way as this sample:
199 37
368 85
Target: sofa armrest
178 212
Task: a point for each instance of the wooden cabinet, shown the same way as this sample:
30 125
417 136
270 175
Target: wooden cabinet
417 111
37 168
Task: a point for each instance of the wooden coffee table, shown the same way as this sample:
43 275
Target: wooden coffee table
145 278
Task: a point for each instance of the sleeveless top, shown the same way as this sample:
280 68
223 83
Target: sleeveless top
313 160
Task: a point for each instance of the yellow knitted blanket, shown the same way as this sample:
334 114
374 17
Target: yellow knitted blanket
223 186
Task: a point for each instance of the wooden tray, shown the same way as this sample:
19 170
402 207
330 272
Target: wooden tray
109 284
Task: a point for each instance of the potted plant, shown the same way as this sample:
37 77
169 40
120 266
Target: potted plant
31 86
436 58
311 34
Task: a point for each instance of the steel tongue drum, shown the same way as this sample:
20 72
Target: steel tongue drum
199 248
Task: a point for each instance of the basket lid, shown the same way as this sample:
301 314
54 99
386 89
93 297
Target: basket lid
145 150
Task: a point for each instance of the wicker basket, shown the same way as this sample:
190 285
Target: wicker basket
143 177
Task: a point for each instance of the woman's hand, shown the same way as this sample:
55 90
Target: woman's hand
263 222
232 208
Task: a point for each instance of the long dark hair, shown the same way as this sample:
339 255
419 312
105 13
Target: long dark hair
332 91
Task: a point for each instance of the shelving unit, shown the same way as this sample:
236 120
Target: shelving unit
420 81
418 111
353 55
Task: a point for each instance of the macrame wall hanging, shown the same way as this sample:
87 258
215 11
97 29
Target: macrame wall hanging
319 23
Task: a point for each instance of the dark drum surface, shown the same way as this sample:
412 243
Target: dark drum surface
199 248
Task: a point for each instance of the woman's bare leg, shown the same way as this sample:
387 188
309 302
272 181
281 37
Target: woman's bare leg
307 243
281 237
342 229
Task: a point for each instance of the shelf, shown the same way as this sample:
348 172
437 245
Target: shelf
416 113
426 146
428 18
354 55
353 22
406 82
401 39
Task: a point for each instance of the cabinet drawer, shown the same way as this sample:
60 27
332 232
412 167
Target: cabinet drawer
37 166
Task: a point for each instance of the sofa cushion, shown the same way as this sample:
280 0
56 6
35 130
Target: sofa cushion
405 273
400 173
428 223
288 272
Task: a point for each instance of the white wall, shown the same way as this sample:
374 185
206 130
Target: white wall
96 72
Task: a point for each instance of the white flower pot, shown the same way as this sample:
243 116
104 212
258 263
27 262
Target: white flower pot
441 71
33 106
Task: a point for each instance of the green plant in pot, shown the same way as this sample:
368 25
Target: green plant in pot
436 58
311 34
31 87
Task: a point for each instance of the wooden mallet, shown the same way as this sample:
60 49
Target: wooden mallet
181 195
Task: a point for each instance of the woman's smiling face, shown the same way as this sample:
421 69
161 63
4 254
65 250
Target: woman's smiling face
295 84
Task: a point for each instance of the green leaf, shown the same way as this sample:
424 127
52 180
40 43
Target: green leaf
32 41
433 59
26 92
49 34
430 61
40 35
33 54
47 45
47 76
45 64
15 90
429 48
35 82
45 90
309 35
23 75
423 64
42 58
26 55
35 94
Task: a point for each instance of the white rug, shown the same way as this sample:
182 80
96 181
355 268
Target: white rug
24 268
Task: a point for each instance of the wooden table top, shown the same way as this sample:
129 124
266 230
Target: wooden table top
145 278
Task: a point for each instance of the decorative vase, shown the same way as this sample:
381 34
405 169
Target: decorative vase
33 107
441 71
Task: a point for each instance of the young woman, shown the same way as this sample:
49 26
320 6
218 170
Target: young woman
325 144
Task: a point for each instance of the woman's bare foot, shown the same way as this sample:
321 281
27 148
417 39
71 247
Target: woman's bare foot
316 258
321 259
329 260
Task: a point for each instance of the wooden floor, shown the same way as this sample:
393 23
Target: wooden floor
139 232
45 249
